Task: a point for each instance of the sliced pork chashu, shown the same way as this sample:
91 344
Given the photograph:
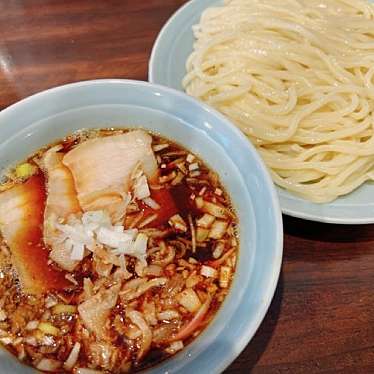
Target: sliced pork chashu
21 222
62 201
102 169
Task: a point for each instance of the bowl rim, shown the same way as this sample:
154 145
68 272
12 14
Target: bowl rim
248 333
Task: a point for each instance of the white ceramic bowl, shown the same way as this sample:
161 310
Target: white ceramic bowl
53 114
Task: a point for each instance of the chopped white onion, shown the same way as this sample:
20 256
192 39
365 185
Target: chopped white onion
225 276
139 248
47 340
178 223
215 210
195 173
141 188
218 250
218 191
190 158
218 229
160 147
208 271
151 203
202 234
50 301
114 238
194 166
73 357
77 251
205 221
47 364
193 280
175 347
76 233
189 300
96 228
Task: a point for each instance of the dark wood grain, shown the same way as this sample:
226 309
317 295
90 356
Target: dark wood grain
322 316
45 43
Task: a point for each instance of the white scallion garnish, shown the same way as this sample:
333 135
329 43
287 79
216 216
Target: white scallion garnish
190 158
95 229
194 166
141 188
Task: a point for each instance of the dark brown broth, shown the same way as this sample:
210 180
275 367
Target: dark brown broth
181 195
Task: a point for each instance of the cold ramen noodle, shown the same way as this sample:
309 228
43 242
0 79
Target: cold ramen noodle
117 249
296 76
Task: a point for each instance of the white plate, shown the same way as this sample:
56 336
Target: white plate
167 67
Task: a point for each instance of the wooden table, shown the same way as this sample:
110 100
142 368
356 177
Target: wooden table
322 315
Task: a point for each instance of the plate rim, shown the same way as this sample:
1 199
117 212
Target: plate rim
326 219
